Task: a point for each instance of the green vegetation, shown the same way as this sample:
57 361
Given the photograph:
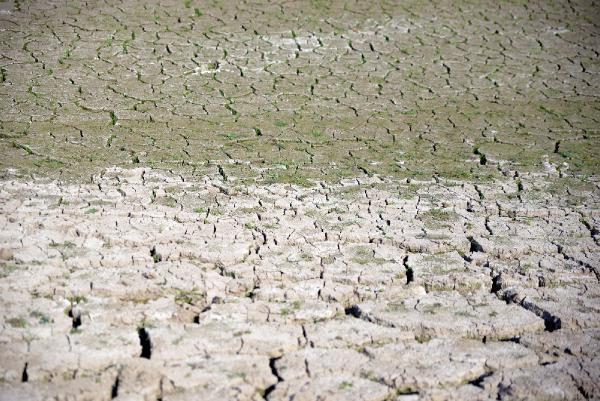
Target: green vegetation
41 317
17 322
191 297
438 218
345 385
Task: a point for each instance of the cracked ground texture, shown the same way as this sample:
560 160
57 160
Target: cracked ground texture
303 200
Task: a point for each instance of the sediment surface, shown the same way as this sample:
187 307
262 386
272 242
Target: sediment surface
299 201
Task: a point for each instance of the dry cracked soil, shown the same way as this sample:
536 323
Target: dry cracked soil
299 200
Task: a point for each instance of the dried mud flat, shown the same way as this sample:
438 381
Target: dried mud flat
147 286
303 201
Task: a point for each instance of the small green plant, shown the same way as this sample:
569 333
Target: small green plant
77 299
145 324
17 322
215 211
26 148
432 309
464 314
364 255
344 385
190 297
42 318
525 267
7 269
439 215
167 201
66 244
422 338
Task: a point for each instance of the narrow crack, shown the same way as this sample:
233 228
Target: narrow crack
271 388
410 274
75 316
156 257
551 321
478 382
114 391
475 246
25 374
496 284
145 343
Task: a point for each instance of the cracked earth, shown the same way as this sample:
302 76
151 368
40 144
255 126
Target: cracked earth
315 200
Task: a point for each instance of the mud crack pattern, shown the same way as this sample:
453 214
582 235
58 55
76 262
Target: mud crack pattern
146 283
301 90
302 200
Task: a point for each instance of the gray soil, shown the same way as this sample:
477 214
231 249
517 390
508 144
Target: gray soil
308 200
